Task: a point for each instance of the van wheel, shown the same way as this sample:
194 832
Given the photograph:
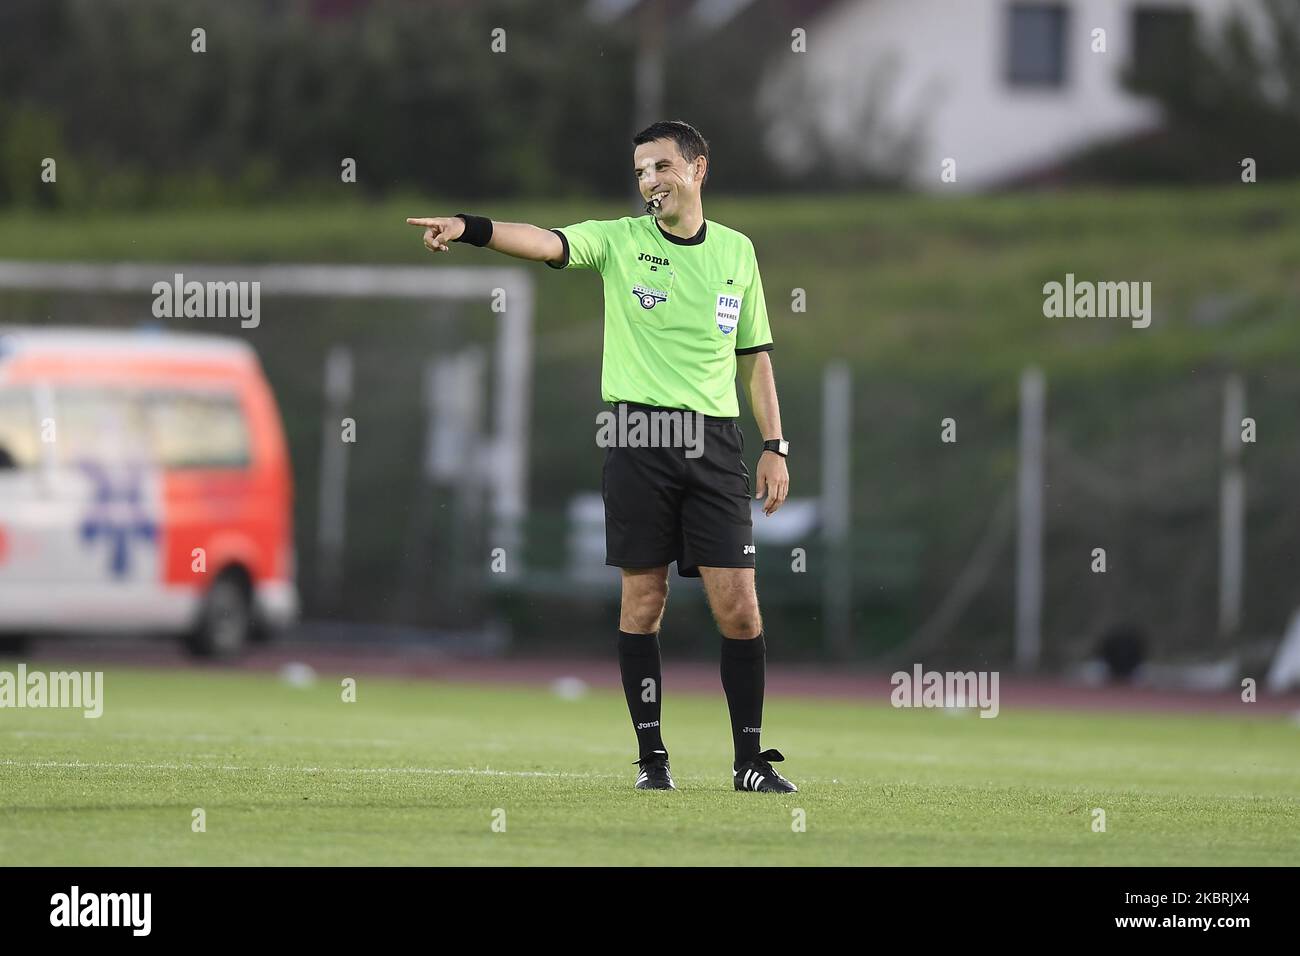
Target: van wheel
226 621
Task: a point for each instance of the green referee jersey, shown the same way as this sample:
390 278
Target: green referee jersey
677 311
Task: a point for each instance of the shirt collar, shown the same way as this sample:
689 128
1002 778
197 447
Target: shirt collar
695 240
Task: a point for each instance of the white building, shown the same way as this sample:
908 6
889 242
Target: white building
1003 87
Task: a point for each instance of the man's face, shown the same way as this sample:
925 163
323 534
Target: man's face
666 180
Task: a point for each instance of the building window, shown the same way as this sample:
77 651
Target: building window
1162 46
1036 44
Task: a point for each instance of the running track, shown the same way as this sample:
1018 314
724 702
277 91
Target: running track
843 684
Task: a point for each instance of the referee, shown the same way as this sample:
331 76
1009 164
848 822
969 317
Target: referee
684 313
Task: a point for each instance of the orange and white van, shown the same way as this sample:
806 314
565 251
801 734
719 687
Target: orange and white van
145 488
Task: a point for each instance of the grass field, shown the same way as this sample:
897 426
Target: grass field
411 773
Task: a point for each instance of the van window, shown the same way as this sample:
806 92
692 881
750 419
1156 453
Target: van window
197 430
19 430
98 424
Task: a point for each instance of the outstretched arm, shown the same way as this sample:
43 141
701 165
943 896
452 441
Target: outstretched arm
518 239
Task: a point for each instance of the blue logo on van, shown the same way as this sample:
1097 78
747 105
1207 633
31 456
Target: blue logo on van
117 515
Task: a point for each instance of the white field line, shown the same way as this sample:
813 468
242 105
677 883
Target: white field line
433 771
487 772
208 738
1106 760
1096 759
279 739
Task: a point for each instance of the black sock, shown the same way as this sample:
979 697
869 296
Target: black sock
743 667
638 662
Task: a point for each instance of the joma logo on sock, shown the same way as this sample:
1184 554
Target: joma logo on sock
647 726
751 730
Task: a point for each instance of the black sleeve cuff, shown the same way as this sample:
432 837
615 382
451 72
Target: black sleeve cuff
755 348
565 261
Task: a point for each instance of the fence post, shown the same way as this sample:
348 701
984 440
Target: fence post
836 508
1029 526
331 523
1232 509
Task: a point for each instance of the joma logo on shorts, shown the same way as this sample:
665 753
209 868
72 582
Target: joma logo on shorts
750 549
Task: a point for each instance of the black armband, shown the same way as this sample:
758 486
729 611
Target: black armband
478 229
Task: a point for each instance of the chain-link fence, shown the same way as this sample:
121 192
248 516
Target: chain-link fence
1132 467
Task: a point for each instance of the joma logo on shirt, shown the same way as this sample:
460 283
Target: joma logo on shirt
645 257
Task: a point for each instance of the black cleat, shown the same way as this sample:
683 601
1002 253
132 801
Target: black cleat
758 775
655 774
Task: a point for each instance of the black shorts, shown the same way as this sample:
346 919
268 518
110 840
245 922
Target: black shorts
661 505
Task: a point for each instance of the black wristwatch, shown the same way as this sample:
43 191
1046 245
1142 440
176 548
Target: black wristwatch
778 445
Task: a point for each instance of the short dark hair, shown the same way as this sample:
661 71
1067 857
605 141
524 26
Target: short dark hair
688 139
